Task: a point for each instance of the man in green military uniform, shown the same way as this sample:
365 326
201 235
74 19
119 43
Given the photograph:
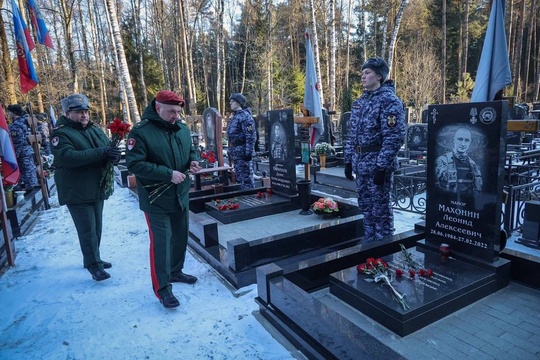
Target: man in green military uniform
81 153
160 154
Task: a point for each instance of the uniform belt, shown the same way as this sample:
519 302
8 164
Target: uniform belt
238 144
366 149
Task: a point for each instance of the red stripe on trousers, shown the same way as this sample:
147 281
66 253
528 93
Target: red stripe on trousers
155 282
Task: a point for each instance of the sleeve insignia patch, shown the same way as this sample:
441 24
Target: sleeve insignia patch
391 120
55 141
131 143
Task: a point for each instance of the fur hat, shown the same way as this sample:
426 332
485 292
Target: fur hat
379 66
75 102
239 98
169 98
16 109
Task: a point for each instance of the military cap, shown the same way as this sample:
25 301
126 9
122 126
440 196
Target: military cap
239 98
379 66
75 102
169 98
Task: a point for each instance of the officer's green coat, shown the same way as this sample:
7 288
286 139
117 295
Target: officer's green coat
155 148
78 158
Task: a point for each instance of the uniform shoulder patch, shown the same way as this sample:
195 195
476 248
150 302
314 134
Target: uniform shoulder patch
391 120
55 140
130 143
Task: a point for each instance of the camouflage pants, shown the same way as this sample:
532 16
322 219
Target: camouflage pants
28 172
244 174
374 201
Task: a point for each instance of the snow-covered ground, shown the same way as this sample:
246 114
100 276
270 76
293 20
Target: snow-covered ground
50 308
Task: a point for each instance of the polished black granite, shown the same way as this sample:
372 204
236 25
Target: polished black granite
292 297
428 298
251 206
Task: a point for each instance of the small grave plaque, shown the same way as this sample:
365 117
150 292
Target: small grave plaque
345 117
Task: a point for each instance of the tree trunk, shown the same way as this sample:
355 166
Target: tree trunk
98 65
443 55
9 83
519 43
465 39
348 45
385 30
332 55
395 33
119 47
219 49
67 12
528 43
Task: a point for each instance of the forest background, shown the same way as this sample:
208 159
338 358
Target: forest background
121 53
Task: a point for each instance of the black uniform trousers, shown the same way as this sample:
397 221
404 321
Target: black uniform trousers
88 219
168 242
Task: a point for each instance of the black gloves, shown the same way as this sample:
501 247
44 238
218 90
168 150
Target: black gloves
379 176
112 154
348 171
247 157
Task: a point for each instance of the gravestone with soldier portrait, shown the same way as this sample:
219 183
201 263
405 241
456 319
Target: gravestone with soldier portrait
280 130
465 177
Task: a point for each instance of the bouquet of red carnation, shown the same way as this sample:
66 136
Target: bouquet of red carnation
209 156
118 130
378 269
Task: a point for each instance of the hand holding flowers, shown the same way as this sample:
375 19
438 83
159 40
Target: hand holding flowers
118 130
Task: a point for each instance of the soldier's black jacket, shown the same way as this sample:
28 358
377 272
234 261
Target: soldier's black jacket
155 148
78 158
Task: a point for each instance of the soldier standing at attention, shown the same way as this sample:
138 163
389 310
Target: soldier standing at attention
81 151
24 151
242 135
376 132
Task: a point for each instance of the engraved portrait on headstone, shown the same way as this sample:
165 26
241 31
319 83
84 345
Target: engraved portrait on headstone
209 128
278 142
455 170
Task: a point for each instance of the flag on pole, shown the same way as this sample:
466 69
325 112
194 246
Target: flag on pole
312 96
53 117
493 73
25 44
39 24
10 168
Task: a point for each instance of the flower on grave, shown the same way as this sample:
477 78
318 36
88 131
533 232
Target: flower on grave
209 156
325 206
227 204
264 194
413 267
324 148
378 270
119 130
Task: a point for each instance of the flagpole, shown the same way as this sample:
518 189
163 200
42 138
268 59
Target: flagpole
37 152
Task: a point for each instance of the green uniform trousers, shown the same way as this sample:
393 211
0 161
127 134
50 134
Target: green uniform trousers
168 242
88 219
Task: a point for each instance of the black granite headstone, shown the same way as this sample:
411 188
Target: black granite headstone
465 173
282 163
417 137
262 139
209 120
531 221
327 123
345 117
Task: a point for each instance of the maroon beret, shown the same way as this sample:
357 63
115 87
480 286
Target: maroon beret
169 98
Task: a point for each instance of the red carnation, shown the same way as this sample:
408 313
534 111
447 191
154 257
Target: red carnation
429 272
422 272
361 268
412 273
399 273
